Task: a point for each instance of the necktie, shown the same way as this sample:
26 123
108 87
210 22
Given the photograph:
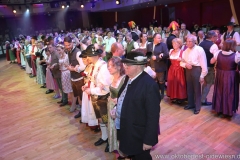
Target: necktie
89 82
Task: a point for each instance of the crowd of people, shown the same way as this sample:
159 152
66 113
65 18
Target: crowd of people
117 78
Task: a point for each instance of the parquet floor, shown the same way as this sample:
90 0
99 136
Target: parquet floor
33 127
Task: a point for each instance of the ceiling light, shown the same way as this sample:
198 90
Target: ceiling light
68 4
63 6
82 6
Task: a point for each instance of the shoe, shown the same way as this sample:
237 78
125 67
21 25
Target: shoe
100 141
107 148
78 115
72 109
207 103
56 96
178 102
196 112
63 104
188 107
49 91
60 102
120 157
43 87
32 76
96 130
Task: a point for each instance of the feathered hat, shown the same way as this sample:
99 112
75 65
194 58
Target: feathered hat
173 26
132 24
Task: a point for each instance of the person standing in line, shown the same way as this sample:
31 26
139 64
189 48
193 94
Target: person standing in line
138 110
210 48
195 61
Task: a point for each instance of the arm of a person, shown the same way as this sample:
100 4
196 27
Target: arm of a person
237 38
152 108
237 57
214 49
104 80
203 62
81 64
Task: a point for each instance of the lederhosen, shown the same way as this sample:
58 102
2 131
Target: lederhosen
99 102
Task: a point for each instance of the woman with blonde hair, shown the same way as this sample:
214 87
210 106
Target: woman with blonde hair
176 88
65 75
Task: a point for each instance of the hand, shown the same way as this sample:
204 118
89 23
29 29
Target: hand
146 147
161 55
188 66
201 80
154 58
70 68
84 88
179 59
88 91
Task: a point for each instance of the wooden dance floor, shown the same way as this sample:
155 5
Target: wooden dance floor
34 127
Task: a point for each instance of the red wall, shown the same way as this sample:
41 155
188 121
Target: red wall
214 12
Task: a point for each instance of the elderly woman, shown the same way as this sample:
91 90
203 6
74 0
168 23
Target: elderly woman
115 68
65 75
226 88
176 89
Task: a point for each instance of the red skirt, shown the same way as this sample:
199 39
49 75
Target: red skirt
176 86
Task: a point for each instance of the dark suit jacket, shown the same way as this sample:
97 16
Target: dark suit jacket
160 63
55 60
139 121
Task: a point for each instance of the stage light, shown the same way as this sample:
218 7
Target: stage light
82 6
14 10
63 6
118 2
68 4
27 8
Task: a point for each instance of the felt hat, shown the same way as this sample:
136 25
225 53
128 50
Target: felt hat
230 24
83 54
135 58
92 51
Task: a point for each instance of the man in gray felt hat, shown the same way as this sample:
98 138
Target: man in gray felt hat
138 109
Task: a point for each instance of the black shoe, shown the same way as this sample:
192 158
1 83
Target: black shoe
97 130
78 115
188 107
120 157
63 104
100 141
207 103
107 148
196 112
49 91
60 102
43 87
